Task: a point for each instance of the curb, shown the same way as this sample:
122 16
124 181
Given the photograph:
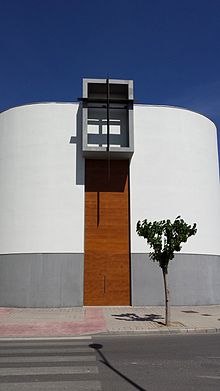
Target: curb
184 331
149 332
69 337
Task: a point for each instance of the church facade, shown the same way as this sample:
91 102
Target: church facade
74 180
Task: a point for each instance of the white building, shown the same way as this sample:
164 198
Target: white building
74 180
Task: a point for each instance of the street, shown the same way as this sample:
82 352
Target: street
147 363
163 363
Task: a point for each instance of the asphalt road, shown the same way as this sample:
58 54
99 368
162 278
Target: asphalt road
148 363
163 363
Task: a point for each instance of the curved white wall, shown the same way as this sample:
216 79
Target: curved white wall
41 203
174 171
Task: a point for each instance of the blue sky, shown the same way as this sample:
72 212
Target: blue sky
171 49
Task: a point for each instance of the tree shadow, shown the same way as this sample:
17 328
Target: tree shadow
97 347
131 317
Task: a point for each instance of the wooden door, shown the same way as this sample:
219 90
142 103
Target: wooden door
107 250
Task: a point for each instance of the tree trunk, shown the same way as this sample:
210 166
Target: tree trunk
167 297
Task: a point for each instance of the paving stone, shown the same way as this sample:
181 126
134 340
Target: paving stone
89 320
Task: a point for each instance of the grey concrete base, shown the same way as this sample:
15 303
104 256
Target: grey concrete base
41 280
56 280
193 280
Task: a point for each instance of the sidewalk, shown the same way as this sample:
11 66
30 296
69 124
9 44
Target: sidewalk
76 321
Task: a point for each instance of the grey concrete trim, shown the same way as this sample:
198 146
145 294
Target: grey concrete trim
84 128
131 130
41 280
93 154
193 280
130 89
111 81
101 152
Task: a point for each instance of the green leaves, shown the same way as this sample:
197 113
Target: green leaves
165 238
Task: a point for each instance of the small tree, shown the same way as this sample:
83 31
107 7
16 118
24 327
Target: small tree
165 238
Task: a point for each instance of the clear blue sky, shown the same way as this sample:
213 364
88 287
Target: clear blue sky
171 49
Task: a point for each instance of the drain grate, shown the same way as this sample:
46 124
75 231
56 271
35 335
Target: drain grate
190 312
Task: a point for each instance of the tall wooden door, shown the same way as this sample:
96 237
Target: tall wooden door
107 250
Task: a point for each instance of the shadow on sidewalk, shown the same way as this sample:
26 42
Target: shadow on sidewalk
131 317
97 347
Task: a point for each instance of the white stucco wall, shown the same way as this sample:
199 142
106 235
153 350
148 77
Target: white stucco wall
174 171
41 204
